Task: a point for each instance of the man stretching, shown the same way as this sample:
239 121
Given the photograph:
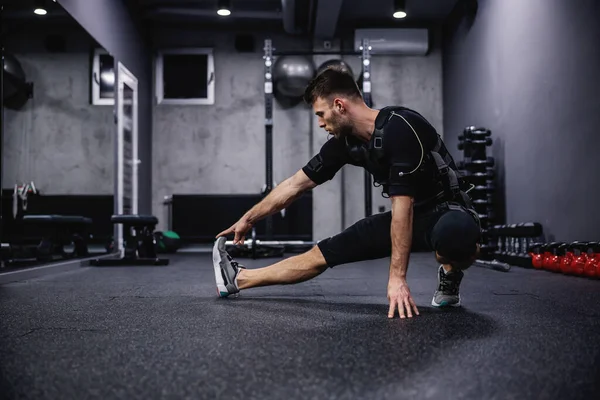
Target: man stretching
430 210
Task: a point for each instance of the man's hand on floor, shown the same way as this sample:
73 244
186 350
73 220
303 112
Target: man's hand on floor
399 296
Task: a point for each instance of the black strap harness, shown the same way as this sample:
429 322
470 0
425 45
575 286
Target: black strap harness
452 188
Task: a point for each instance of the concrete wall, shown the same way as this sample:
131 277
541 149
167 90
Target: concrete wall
120 33
529 71
220 148
58 139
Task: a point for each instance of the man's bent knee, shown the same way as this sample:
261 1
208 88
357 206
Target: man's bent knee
455 239
318 261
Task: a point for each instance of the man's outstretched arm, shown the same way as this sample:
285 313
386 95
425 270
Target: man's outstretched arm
280 197
401 235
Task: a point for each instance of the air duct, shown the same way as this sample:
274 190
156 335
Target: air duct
407 42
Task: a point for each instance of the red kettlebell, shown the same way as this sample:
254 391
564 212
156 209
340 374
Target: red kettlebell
580 257
554 261
597 257
551 260
536 252
548 255
566 258
593 261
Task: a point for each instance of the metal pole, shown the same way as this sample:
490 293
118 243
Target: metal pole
366 89
268 128
315 53
1 130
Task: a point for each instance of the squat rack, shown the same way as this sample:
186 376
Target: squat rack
266 248
270 52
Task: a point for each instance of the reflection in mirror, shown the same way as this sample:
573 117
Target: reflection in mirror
57 137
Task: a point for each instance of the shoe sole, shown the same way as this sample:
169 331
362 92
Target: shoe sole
216 256
444 304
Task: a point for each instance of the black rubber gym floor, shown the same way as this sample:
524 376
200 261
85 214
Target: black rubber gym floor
161 332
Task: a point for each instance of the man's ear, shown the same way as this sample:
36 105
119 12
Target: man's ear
338 104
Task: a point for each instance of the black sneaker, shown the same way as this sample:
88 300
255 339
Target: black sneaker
447 293
226 269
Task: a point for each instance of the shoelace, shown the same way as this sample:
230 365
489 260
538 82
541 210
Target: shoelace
448 285
234 263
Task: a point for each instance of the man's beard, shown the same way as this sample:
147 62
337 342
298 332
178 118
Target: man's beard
340 129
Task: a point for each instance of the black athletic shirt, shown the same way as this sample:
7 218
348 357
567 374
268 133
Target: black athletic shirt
401 148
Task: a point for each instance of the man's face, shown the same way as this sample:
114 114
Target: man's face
331 118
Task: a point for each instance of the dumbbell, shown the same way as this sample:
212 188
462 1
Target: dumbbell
474 143
479 164
526 232
480 205
483 218
525 243
509 238
483 189
503 240
479 178
473 131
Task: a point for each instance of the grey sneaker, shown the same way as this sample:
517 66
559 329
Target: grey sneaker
226 269
447 293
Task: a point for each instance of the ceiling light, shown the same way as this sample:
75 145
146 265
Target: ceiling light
399 9
224 8
40 8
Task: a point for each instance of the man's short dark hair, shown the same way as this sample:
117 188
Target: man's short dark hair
334 81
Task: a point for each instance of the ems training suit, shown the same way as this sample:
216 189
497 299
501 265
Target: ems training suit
403 155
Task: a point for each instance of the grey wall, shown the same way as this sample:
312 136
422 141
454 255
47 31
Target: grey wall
58 139
221 149
111 24
529 71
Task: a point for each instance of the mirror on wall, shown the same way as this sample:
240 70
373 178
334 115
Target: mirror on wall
58 136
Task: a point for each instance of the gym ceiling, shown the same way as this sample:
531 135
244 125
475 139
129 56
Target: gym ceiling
319 18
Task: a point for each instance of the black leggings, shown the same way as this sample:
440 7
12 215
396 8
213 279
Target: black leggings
370 238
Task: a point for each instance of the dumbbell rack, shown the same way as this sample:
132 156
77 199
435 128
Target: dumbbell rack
478 168
512 242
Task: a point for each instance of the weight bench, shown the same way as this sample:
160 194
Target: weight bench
138 233
59 231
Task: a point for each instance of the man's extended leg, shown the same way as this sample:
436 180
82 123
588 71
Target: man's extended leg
231 277
367 239
295 269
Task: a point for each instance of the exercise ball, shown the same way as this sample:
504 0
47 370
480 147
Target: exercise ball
291 75
337 64
15 90
14 76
